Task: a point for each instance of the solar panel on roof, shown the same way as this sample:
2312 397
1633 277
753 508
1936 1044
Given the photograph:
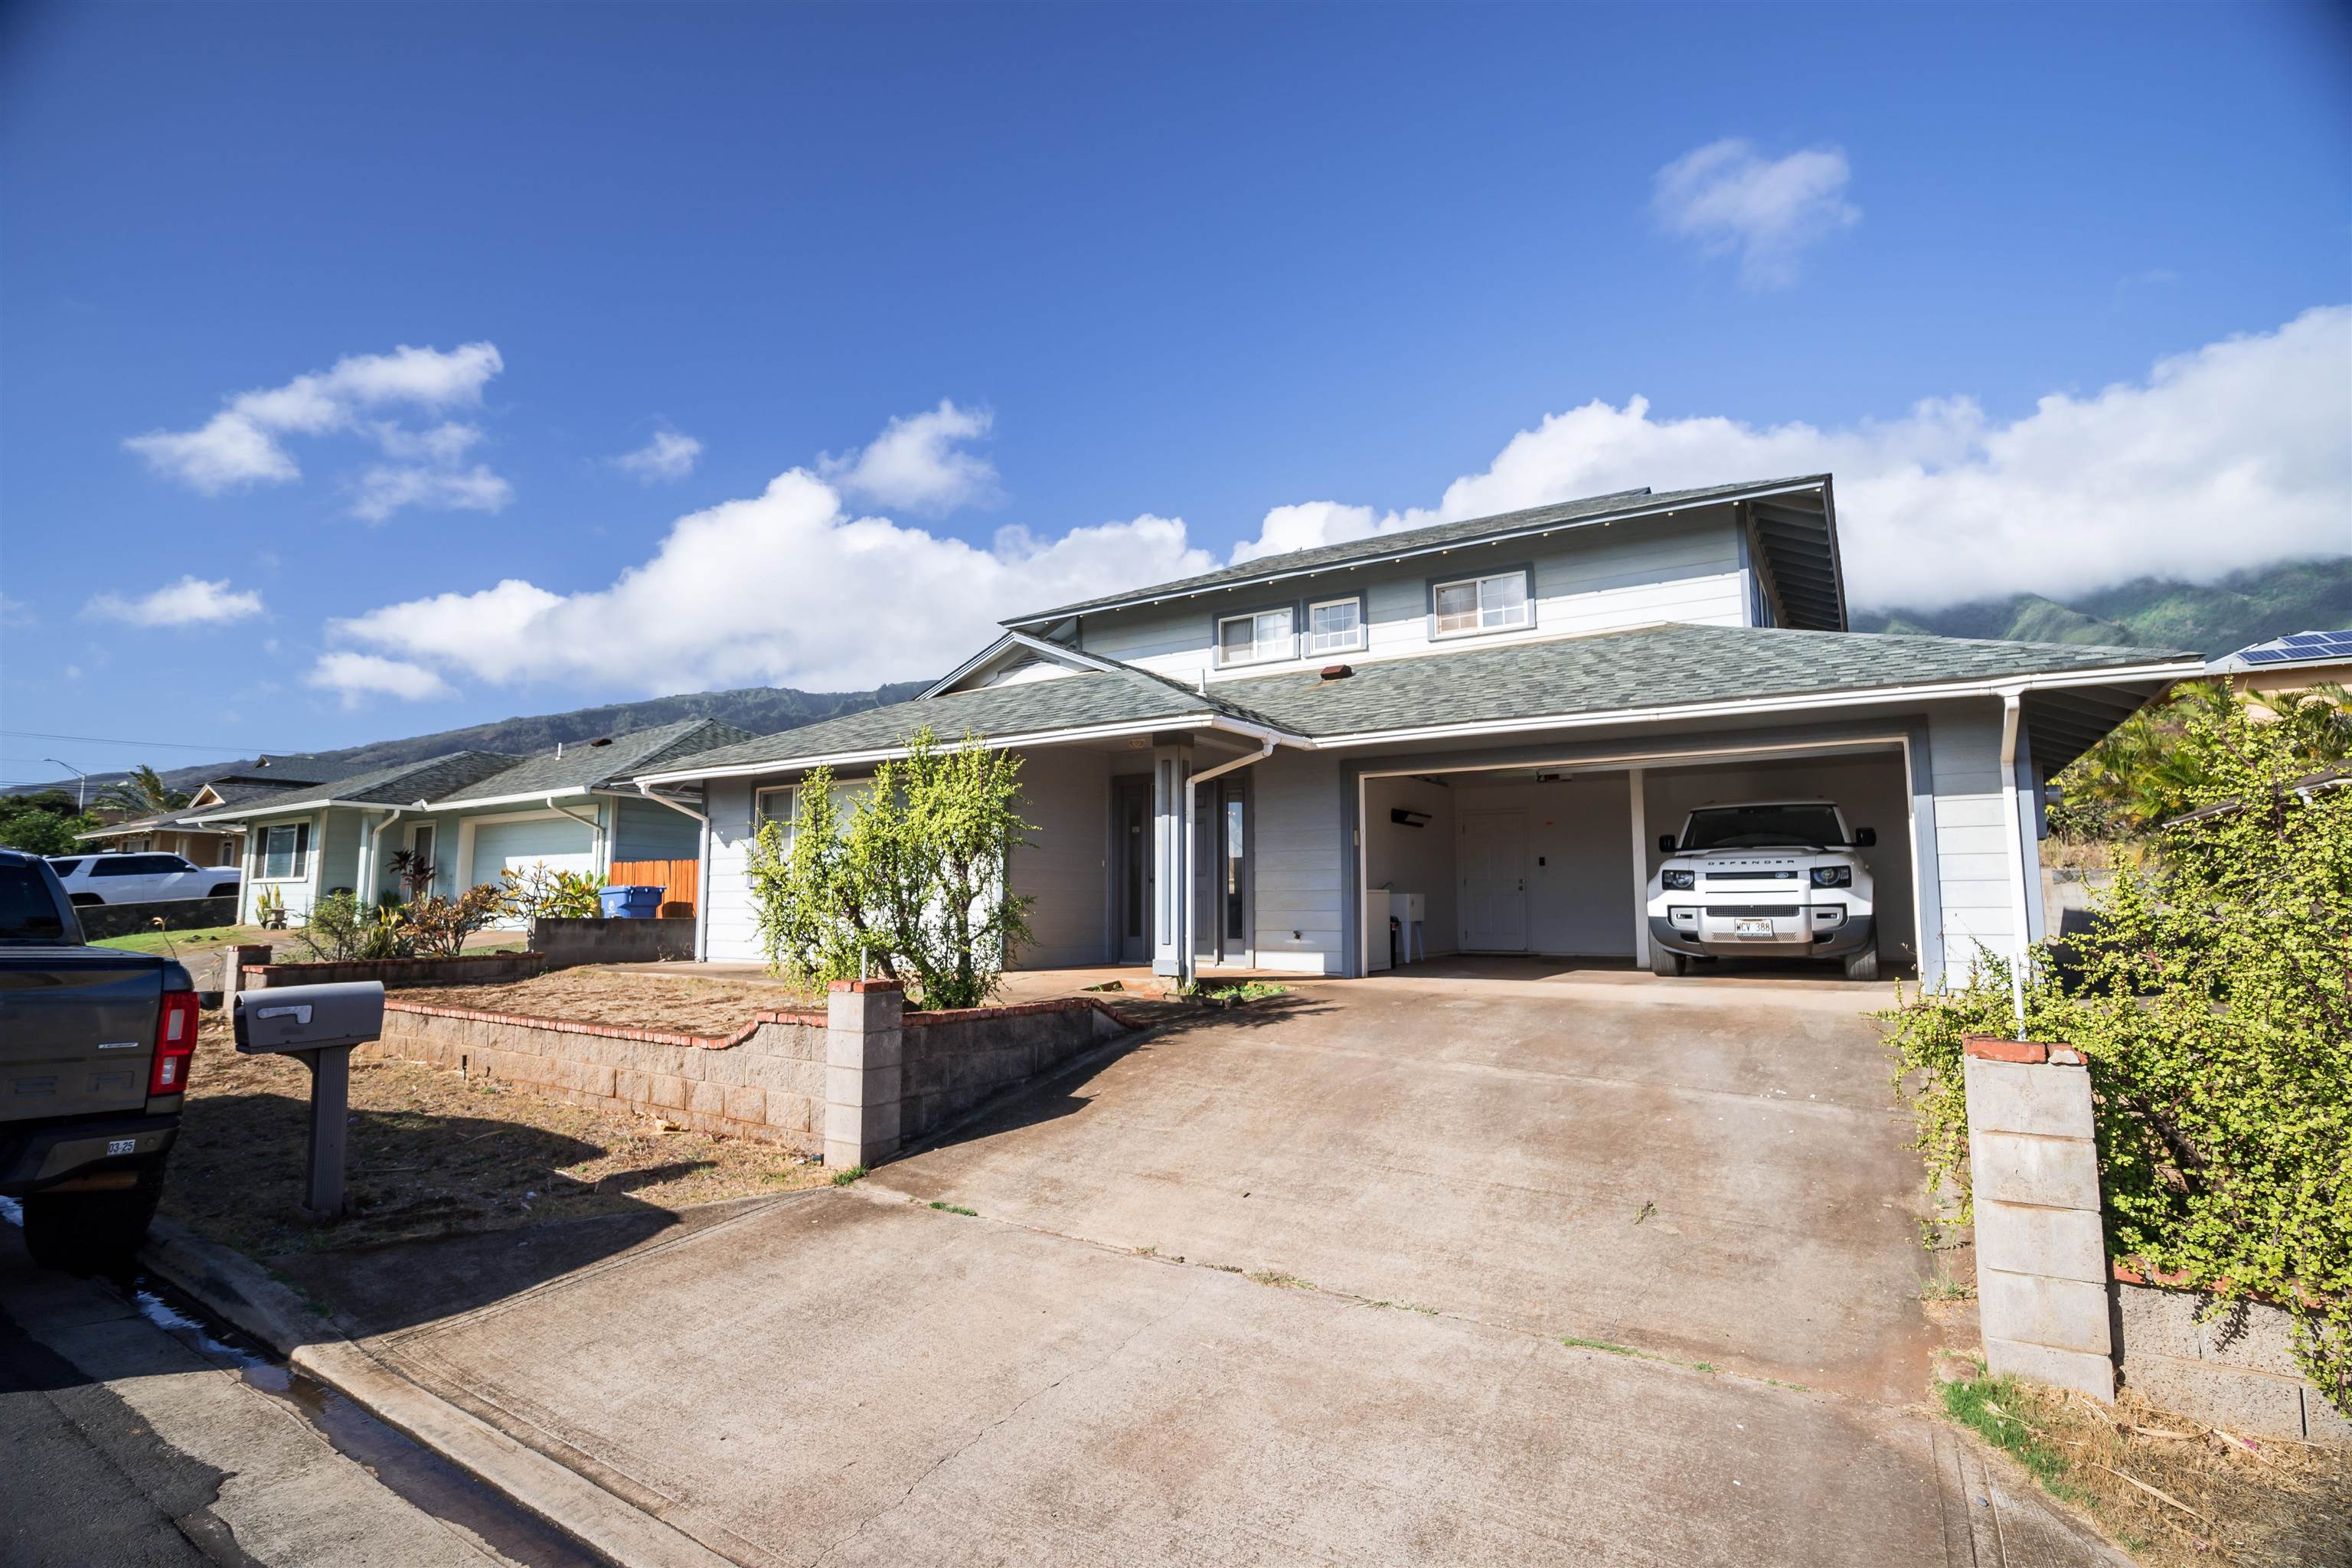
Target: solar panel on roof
2304 639
2265 656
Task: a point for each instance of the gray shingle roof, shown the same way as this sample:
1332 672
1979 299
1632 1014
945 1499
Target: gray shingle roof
1435 536
1568 678
1648 667
1125 695
409 781
587 765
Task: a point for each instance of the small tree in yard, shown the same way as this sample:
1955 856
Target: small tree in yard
912 884
2215 1013
438 927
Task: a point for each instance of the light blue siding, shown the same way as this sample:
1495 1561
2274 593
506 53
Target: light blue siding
644 830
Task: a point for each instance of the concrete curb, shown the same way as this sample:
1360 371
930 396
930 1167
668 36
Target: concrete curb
244 1293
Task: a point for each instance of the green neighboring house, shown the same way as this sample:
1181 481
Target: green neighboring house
471 814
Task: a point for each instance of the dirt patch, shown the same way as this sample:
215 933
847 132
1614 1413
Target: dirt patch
432 1153
688 1005
2265 1503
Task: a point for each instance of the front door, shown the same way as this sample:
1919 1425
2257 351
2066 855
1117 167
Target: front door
1494 881
1223 905
1132 870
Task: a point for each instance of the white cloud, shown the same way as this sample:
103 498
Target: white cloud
2234 456
1728 198
386 488
190 602
243 444
356 676
670 455
785 587
916 464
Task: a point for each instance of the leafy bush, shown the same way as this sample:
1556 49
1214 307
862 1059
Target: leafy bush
42 822
540 894
911 885
2215 1013
439 926
342 929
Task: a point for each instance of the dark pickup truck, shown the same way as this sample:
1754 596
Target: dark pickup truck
95 1047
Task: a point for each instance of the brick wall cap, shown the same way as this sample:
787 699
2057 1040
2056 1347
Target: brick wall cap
864 986
1994 1048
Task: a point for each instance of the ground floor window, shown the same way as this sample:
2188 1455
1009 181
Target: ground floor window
285 851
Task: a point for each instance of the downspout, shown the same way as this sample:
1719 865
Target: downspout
1184 951
702 873
2015 820
595 830
369 877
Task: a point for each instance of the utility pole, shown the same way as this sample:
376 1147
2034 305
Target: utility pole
81 790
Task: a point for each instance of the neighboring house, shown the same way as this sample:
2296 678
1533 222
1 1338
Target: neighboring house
176 832
471 814
1500 715
2286 664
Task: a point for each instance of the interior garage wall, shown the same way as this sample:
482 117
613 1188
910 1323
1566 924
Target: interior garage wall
1869 788
1413 859
1581 898
1066 794
1296 797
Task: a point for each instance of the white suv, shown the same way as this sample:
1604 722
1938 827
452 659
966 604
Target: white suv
141 878
1778 879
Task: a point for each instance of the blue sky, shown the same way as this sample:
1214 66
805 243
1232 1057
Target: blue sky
1138 287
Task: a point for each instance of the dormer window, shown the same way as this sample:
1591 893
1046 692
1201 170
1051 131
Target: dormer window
1334 626
1254 638
1491 604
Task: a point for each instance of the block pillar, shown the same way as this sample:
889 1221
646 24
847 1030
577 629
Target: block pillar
1172 843
2041 1252
233 961
863 1040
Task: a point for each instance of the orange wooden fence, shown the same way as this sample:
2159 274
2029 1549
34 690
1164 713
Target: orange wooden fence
680 878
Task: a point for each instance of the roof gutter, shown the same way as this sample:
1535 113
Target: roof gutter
1531 531
1196 721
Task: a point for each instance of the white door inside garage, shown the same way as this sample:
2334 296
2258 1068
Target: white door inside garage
562 842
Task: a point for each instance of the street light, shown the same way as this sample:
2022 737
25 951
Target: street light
81 792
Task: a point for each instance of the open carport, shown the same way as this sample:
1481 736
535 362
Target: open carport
1554 860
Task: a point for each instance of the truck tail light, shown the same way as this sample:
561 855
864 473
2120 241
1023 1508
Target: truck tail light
176 1043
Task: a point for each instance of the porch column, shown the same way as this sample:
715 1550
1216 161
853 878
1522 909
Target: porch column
1171 858
1633 777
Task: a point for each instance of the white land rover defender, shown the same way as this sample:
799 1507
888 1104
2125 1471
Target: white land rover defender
1777 878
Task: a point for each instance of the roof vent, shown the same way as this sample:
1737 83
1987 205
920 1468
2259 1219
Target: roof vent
1337 671
602 740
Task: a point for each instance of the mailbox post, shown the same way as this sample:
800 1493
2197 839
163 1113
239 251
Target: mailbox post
319 1024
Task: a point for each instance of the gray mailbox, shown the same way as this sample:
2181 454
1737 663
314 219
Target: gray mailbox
319 1024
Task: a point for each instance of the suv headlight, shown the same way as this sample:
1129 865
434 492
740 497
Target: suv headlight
1833 875
1679 879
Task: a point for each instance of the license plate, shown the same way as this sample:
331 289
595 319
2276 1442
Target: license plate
1752 928
122 1146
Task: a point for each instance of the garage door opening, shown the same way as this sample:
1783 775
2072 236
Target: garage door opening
1555 862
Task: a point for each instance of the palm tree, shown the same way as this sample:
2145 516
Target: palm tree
144 793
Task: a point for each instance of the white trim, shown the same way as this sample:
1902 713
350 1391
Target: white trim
1636 799
1848 697
472 804
1532 530
2011 721
1358 636
1192 721
986 656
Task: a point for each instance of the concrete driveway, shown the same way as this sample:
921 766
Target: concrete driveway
1714 1169
1434 1183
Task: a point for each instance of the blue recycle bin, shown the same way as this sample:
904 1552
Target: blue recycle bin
630 904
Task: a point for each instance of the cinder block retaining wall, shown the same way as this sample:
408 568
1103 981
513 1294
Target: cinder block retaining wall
2051 1305
568 942
2236 1370
766 1082
473 969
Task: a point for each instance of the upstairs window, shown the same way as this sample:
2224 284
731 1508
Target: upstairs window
1334 626
1254 638
1481 605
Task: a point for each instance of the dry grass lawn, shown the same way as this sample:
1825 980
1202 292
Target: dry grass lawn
688 1003
2258 1503
432 1153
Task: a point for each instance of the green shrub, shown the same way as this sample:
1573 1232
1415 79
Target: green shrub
911 885
342 929
540 894
439 927
2215 1013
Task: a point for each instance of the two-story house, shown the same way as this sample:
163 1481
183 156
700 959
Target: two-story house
1488 721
